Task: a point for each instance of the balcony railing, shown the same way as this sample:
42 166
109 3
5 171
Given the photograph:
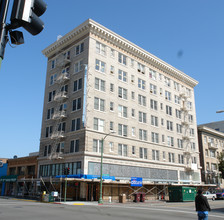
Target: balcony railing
58 135
61 96
59 115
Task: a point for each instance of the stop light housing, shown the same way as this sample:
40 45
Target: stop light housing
26 13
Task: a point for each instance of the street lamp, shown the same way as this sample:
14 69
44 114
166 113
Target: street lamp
220 111
100 201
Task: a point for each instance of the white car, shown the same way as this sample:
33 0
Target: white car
209 195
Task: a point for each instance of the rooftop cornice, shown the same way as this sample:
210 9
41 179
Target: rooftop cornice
115 39
211 131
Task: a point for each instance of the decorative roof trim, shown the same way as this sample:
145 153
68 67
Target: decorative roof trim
113 38
210 131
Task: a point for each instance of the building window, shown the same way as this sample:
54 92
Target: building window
155 155
132 112
169 125
212 153
100 66
122 75
178 114
122 93
100 48
77 85
111 126
141 100
97 144
142 117
152 74
122 150
191 132
155 137
154 120
78 66
141 68
53 64
177 99
111 106
133 95
112 53
99 104
179 129
111 69
100 84
143 153
51 96
60 147
111 146
189 105
76 104
180 159
193 146
164 155
74 146
79 49
111 87
122 130
153 104
167 81
48 131
190 118
176 86
50 113
171 157
168 95
142 134
122 111
53 79
180 143
133 150
133 133
47 150
122 59
170 141
141 84
75 124
194 161
153 89
98 124
163 138
168 110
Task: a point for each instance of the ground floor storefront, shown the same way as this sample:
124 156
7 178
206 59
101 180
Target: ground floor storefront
83 189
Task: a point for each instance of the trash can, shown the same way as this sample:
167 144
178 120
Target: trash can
142 197
137 197
122 198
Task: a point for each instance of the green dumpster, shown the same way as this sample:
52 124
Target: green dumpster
181 193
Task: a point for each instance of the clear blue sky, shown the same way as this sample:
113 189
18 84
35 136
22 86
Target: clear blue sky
188 34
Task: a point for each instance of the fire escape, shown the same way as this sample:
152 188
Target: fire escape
187 137
60 114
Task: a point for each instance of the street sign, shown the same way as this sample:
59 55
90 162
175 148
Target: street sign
136 181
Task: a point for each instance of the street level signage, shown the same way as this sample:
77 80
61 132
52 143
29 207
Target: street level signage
136 181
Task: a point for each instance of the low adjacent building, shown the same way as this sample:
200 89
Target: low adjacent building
211 144
21 176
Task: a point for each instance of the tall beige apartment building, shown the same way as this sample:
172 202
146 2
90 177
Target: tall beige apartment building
102 87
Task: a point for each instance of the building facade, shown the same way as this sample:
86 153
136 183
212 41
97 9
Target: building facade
101 87
211 144
21 176
218 125
3 172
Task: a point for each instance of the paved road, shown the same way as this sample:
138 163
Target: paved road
26 210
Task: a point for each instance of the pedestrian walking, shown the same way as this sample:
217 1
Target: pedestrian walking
202 206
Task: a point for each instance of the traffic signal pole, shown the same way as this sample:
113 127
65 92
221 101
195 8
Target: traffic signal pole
4 4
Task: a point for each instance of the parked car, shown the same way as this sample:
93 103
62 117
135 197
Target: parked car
220 193
210 195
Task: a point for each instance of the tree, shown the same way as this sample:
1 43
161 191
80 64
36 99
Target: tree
221 164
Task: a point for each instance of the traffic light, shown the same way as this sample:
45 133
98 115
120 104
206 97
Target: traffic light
66 171
26 13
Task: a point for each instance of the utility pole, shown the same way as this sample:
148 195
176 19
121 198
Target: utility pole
4 4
